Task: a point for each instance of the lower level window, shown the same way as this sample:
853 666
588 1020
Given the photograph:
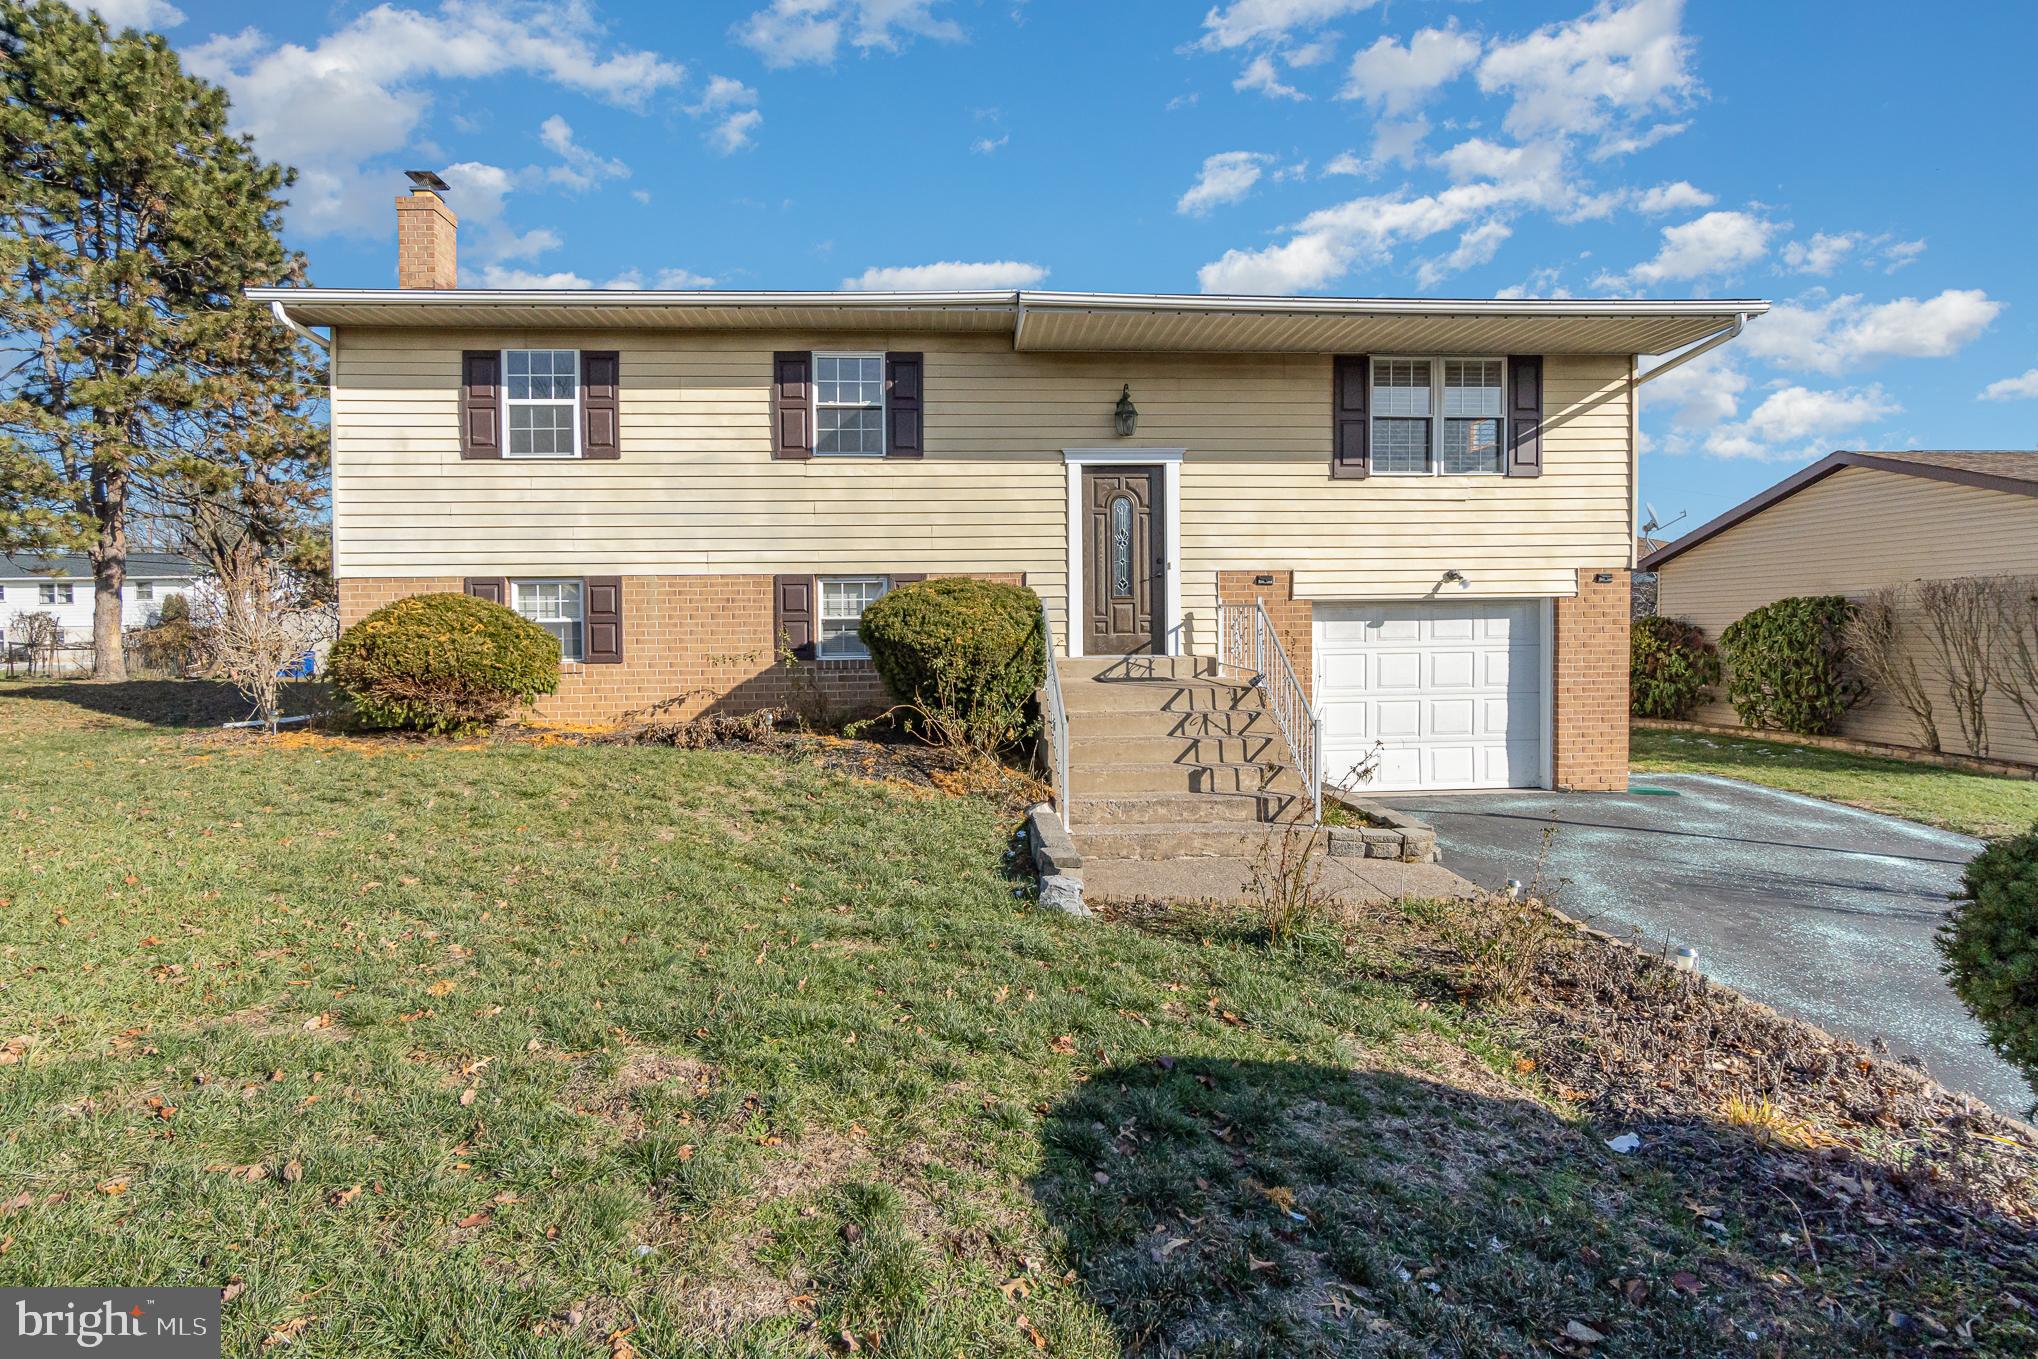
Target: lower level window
843 600
553 605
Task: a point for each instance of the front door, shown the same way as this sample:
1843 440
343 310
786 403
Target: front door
1123 560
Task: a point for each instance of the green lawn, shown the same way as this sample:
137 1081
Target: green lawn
1978 804
541 1049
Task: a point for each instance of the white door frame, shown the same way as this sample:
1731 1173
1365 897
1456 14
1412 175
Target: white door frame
1169 607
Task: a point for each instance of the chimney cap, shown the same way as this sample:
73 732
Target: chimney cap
421 180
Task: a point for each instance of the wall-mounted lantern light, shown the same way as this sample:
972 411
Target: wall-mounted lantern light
1125 415
1457 578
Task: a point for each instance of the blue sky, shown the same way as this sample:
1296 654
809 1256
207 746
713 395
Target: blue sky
1870 176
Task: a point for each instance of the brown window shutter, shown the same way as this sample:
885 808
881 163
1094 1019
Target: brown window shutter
1525 415
904 375
494 589
1351 432
601 618
792 409
599 371
792 615
480 404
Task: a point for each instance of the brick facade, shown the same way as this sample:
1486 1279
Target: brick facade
425 242
702 643
1294 619
1590 716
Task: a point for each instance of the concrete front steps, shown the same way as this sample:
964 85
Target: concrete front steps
1171 759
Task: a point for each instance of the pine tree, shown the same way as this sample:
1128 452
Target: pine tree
133 373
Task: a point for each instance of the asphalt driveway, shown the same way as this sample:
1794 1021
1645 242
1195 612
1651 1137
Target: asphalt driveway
1823 911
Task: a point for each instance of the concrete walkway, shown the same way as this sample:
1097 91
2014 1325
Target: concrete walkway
1214 878
1823 911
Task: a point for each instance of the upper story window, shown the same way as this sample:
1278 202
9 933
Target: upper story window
555 606
843 600
541 396
144 589
1413 397
849 405
52 593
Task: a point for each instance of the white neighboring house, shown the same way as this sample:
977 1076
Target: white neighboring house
61 585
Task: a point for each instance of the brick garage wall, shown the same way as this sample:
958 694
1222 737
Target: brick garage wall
1294 619
1591 712
703 644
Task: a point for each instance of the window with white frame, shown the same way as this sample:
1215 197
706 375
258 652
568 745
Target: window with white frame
843 600
849 405
144 589
1438 416
57 594
541 395
553 605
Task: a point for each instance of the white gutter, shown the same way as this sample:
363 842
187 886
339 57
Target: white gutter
1018 303
290 323
1706 345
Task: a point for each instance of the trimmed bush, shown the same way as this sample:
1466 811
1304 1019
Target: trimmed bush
1787 665
1672 668
965 654
443 663
1990 943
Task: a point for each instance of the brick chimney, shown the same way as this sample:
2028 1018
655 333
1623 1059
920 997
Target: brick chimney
425 228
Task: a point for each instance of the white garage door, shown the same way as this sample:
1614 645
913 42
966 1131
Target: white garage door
1449 692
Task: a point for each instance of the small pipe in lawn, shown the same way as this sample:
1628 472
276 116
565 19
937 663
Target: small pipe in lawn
258 722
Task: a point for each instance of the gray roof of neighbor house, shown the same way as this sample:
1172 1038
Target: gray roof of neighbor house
2014 472
1064 322
74 566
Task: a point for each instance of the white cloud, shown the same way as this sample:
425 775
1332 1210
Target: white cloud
503 276
120 14
1227 177
1680 196
1797 423
1475 247
1603 75
1701 394
732 106
733 133
2019 388
1834 335
1261 74
1822 253
1717 243
1544 282
358 93
1395 79
948 274
579 169
985 146
1346 163
676 280
1899 253
1244 22
793 32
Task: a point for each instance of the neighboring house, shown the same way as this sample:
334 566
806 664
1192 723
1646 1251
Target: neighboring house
1433 498
61 585
1853 522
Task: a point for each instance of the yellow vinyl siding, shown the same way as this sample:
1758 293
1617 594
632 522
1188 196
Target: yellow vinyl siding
696 489
1848 534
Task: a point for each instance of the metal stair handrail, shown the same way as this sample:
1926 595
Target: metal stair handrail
1246 641
1057 719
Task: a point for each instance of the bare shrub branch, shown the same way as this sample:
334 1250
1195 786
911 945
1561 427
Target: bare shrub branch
1875 637
2015 658
1962 619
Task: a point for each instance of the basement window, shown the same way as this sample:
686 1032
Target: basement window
843 600
553 605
